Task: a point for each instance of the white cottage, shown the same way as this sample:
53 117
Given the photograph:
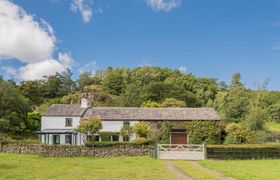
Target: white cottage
60 120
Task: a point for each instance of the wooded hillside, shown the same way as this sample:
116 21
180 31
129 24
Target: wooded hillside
248 115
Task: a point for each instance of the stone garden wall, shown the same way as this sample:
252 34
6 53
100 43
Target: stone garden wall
75 151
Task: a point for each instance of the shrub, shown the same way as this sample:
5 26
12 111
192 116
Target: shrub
89 126
126 130
5 138
238 134
139 140
163 132
106 136
118 144
142 129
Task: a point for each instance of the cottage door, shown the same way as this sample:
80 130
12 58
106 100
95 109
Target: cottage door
178 138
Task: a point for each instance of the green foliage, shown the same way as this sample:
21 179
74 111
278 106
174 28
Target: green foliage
139 140
203 132
272 126
118 144
274 111
33 122
13 108
238 134
236 80
150 104
142 129
236 104
172 102
87 79
169 102
126 130
33 91
89 126
114 81
4 138
163 132
106 136
255 119
4 125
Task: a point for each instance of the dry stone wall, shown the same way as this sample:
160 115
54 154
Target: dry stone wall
74 151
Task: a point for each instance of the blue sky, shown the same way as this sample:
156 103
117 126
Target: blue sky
207 38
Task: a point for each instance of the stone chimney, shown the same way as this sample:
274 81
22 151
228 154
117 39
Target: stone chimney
85 103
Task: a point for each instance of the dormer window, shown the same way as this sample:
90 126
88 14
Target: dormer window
68 122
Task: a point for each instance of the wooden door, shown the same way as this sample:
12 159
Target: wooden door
178 138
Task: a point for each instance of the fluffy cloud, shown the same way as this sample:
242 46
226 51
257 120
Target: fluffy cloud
30 41
83 8
44 68
163 5
22 37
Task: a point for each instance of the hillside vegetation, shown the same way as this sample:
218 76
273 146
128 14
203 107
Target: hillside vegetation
249 116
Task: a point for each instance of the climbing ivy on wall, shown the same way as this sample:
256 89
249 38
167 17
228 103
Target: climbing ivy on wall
203 131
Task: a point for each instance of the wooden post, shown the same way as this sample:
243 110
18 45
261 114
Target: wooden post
0 146
205 150
156 151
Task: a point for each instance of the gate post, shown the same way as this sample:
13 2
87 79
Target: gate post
205 150
157 151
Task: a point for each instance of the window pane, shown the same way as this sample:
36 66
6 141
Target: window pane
96 138
68 139
115 138
68 122
56 139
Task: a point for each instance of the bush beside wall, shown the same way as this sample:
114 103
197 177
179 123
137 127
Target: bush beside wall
224 152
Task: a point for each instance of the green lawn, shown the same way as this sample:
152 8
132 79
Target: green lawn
246 169
14 166
186 167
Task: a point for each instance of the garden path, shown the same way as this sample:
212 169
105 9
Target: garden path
178 173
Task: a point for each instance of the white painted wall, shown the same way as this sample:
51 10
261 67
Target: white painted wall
58 122
114 126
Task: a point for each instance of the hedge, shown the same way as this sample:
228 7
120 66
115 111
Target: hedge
247 151
106 136
118 144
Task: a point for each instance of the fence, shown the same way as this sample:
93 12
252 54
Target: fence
181 151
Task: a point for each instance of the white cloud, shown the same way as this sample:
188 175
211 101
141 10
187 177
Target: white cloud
45 68
163 5
22 37
30 41
90 67
83 8
182 69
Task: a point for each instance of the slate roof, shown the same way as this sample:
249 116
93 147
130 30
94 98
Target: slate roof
133 113
73 110
136 113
